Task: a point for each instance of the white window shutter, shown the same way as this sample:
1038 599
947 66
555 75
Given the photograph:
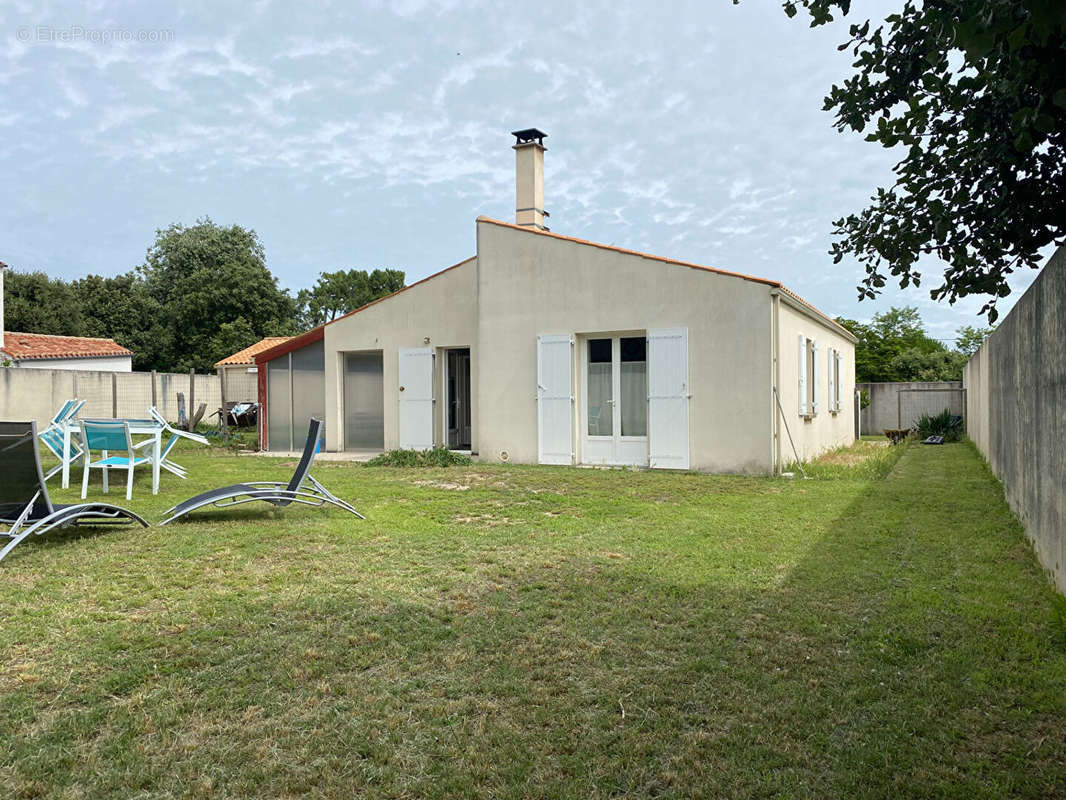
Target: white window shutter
837 362
831 373
416 398
555 400
668 398
802 375
814 376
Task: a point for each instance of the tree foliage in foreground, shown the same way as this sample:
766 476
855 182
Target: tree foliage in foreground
894 346
972 94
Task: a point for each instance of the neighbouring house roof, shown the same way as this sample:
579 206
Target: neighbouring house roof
28 346
248 354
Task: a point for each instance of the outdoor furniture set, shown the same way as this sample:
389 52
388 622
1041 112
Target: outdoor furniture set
25 506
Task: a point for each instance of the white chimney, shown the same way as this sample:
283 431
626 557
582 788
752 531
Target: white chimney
529 178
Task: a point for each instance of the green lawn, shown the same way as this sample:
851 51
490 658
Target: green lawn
513 631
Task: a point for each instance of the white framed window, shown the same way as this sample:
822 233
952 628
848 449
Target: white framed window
835 358
808 377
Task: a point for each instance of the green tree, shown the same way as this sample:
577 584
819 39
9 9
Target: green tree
35 303
912 364
882 339
894 346
337 293
206 276
972 94
122 308
969 338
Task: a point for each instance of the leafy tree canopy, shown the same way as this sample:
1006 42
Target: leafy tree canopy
206 276
35 303
203 293
973 94
969 338
337 293
121 308
894 346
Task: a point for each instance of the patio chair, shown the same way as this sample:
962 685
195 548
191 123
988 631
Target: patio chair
52 436
25 507
108 436
175 435
302 488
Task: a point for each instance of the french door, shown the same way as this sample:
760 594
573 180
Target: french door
615 409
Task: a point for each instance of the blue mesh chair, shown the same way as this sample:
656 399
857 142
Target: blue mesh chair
107 436
52 436
25 507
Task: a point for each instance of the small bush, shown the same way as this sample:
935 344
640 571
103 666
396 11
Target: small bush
943 424
437 457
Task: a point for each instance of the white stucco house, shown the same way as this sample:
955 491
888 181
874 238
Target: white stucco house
43 351
543 348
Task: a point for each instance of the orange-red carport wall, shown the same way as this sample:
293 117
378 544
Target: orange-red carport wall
261 386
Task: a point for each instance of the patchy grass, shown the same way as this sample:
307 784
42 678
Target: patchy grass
542 632
871 460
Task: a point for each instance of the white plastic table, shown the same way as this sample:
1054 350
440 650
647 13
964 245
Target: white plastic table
138 427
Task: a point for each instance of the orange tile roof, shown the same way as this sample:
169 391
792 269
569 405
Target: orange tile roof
27 346
248 354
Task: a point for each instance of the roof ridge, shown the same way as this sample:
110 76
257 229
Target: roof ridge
318 332
628 251
62 336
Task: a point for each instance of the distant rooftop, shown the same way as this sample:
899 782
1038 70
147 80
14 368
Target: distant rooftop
248 354
28 346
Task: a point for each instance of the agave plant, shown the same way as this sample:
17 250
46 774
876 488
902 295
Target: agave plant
943 424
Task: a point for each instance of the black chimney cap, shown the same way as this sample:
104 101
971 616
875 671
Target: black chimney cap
529 135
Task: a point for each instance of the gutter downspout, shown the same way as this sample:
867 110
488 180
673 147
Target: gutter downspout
775 378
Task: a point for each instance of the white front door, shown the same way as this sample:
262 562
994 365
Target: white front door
614 420
416 398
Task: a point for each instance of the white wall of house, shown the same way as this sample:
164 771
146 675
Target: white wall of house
532 284
524 285
438 313
103 364
815 429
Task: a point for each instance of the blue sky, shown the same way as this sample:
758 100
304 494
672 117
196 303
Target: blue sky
369 135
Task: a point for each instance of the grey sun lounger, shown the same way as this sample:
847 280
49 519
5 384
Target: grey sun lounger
302 488
25 507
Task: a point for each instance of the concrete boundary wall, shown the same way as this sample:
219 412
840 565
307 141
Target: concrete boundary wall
1016 404
37 394
884 408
